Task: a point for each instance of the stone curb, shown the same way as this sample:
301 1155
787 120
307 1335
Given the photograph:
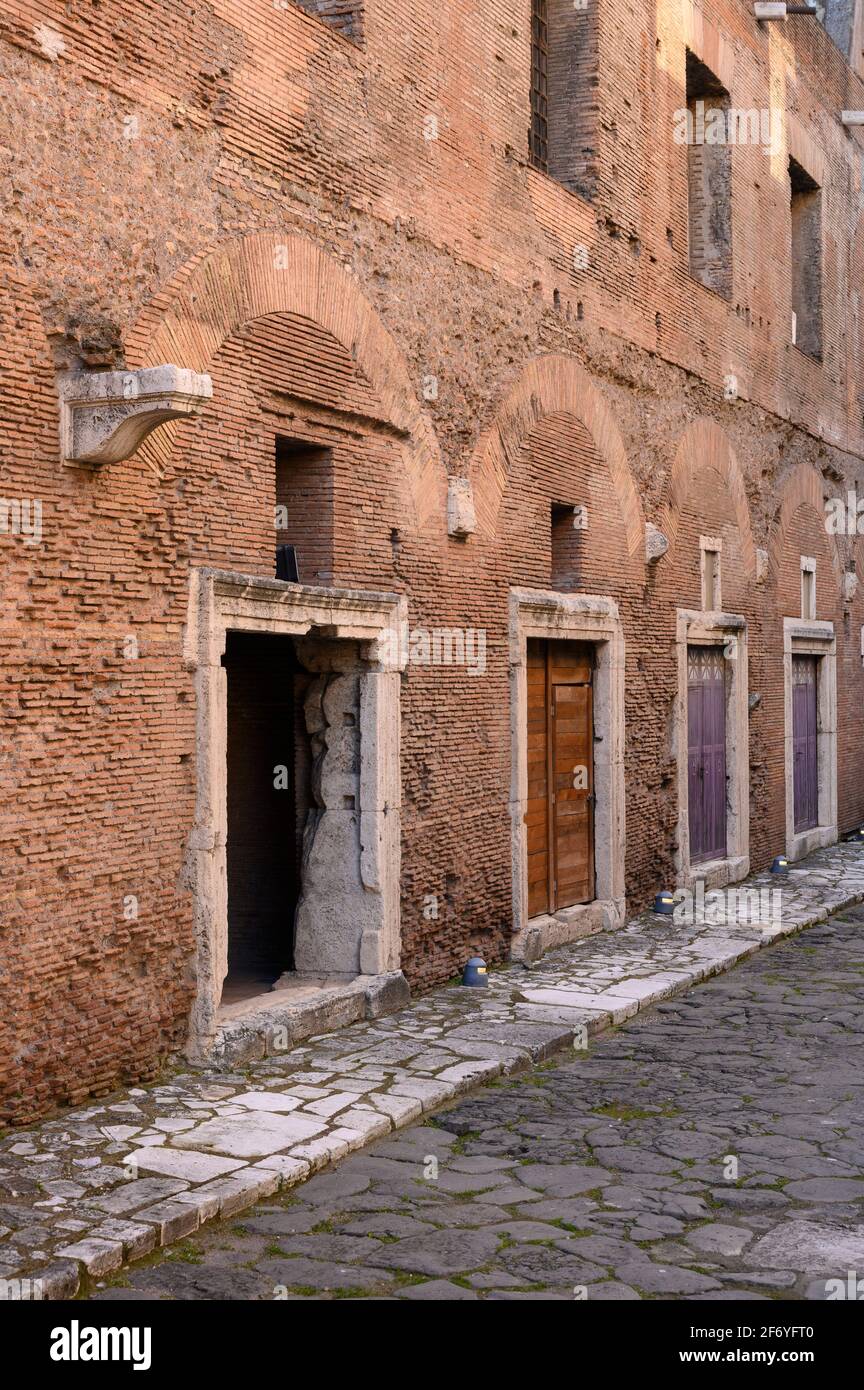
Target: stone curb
118 1242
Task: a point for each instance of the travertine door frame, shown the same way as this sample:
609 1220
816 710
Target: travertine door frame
220 601
578 618
729 631
812 637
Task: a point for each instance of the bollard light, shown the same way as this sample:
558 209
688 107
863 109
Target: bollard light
664 903
780 865
474 975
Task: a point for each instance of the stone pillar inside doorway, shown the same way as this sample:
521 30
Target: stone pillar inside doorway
336 909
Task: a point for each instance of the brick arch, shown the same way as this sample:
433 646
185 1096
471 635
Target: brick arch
552 385
801 488
705 445
227 286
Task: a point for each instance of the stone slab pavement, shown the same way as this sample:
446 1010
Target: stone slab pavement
107 1184
709 1149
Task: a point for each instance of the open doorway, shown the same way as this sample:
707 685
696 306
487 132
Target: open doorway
267 793
297 694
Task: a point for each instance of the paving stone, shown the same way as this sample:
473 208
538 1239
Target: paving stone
339 1249
253 1135
290 1170
191 1167
825 1190
611 1292
273 1101
391 1224
437 1289
303 1273
540 1264
718 1239
563 1180
331 1187
494 1280
441 1253
523 1232
172 1219
750 1200
663 1279
810 1247
779 1279
140 1193
464 1213
98 1256
293 1222
367 1122
401 1109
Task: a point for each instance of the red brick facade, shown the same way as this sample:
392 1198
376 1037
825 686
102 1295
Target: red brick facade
330 209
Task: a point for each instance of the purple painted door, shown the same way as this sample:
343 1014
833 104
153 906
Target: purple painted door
804 748
706 752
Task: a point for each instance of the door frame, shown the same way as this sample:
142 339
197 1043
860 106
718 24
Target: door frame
221 600
594 620
812 637
729 631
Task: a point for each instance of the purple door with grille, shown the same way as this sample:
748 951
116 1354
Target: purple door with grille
804 745
706 752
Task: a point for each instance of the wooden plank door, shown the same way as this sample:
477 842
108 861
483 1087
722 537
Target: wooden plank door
706 752
805 779
560 811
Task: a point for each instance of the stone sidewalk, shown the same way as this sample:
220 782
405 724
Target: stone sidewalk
106 1184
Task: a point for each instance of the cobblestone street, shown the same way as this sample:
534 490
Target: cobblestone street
606 1176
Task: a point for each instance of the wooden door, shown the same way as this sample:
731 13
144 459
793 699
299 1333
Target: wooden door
560 811
804 742
706 752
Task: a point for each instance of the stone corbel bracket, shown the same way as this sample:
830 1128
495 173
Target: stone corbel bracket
461 516
656 543
106 416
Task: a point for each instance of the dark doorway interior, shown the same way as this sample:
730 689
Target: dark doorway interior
267 777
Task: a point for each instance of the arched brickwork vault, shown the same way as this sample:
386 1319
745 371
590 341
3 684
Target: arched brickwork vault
803 488
547 386
705 448
266 273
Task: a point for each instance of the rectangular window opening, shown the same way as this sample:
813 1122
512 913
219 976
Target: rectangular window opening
564 83
808 589
711 587
805 205
569 524
304 506
709 179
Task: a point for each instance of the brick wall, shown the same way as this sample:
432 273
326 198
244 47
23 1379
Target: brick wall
137 140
